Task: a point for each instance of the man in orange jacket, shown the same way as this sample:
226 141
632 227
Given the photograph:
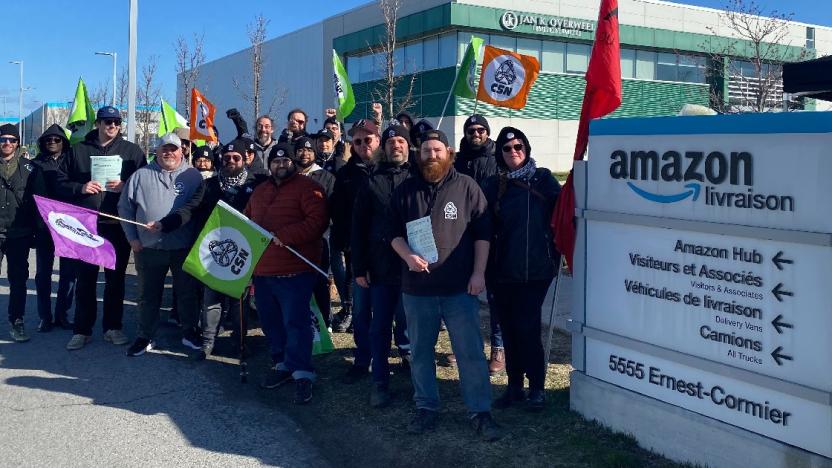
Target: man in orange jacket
293 209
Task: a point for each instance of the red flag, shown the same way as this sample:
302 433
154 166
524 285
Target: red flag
602 96
202 117
506 77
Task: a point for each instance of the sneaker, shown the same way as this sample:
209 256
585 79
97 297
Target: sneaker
511 396
537 401
190 339
18 332
78 342
342 321
380 396
497 363
451 360
303 391
116 337
355 374
485 427
139 347
423 421
276 378
45 326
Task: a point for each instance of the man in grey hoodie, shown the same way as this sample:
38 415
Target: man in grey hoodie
153 195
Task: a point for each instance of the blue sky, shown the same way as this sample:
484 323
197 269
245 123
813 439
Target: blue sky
57 42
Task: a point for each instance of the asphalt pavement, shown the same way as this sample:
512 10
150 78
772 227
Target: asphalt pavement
97 407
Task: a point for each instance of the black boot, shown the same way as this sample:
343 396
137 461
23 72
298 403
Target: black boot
513 394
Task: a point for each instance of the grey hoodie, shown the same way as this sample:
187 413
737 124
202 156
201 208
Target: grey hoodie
152 193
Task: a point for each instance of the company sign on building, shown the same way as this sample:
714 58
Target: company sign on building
544 24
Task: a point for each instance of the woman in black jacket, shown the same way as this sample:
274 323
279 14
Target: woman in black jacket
522 261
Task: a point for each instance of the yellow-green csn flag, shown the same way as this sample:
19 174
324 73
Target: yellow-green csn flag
467 73
226 251
343 89
170 120
82 116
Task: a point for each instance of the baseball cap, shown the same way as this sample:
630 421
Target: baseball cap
325 133
437 135
110 112
167 139
364 124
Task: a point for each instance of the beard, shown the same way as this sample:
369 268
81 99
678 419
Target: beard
433 170
264 138
284 173
304 165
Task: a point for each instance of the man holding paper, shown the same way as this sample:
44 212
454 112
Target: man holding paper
441 231
90 176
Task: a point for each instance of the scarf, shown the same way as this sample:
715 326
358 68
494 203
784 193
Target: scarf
236 181
524 173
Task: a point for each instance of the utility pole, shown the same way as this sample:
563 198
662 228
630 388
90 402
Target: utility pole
131 71
113 55
20 104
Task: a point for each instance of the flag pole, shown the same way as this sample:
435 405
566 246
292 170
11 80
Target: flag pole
297 254
101 213
448 99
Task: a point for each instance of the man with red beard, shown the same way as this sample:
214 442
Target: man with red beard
442 282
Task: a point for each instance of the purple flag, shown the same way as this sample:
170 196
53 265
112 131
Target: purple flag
74 233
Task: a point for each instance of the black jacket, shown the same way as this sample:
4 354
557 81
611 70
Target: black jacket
74 171
459 217
347 181
478 163
334 162
522 248
237 197
18 212
371 229
284 136
49 165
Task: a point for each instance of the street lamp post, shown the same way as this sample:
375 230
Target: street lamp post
20 104
113 55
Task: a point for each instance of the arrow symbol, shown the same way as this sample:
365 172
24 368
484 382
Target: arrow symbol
778 260
778 358
779 324
778 292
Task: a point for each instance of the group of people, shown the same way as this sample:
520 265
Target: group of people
411 230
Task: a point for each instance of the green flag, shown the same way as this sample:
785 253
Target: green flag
226 251
465 86
170 120
321 339
82 116
343 89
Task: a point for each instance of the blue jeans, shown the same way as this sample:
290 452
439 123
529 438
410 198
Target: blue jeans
494 321
386 304
286 320
361 317
461 315
45 259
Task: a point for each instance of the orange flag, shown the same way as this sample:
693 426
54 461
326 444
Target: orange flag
506 77
202 117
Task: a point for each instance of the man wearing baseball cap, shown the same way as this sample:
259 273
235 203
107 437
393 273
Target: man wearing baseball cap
154 196
75 185
443 284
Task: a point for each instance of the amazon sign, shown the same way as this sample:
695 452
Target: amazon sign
752 169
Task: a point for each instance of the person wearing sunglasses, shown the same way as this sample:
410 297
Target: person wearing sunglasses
19 180
295 126
53 146
476 160
365 150
75 185
203 159
522 263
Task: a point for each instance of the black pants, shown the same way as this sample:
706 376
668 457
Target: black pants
86 306
45 255
518 306
213 303
16 253
321 289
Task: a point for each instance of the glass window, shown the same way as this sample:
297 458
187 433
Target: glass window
645 65
463 38
529 47
367 71
628 63
666 67
398 60
413 57
447 50
431 53
354 68
577 57
553 56
379 65
810 37
691 69
503 42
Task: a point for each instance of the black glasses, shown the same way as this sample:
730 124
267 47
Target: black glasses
8 140
515 147
228 157
52 140
480 130
362 141
109 122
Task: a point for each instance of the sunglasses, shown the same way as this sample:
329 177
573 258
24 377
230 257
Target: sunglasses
299 122
52 140
227 158
515 147
8 140
362 141
480 130
109 122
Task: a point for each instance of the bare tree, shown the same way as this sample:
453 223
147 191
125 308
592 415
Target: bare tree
100 96
121 88
386 92
253 94
148 97
750 65
188 60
